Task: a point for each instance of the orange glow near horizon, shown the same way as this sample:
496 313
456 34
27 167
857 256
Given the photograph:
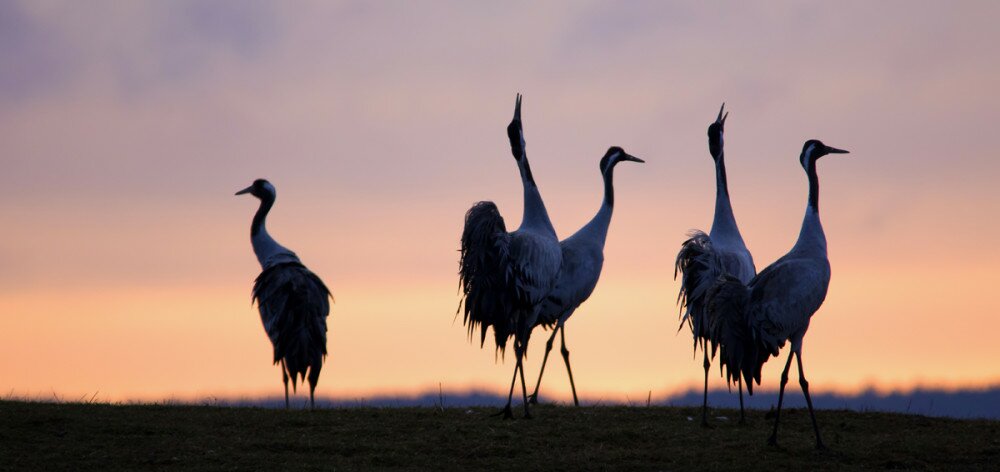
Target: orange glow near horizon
125 262
141 344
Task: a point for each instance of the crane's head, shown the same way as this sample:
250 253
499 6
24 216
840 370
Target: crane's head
261 189
615 155
715 134
815 149
515 132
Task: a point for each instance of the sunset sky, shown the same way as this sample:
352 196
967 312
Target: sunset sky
126 127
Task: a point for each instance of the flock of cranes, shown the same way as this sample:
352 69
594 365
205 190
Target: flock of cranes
516 281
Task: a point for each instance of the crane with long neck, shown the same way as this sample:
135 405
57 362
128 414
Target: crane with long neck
754 321
705 257
504 276
582 260
293 302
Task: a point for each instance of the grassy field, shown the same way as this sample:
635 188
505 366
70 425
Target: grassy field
47 436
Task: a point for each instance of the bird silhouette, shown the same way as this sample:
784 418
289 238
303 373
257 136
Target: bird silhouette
705 257
753 321
504 276
293 302
582 260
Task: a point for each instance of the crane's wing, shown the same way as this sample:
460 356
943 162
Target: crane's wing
294 304
534 266
737 263
502 275
482 273
699 267
726 304
784 296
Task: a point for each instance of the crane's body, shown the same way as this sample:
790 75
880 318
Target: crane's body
582 261
786 294
703 258
293 302
753 321
504 276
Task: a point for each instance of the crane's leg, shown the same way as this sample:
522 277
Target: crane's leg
805 391
313 380
704 403
565 354
739 385
524 388
533 398
284 378
506 411
773 440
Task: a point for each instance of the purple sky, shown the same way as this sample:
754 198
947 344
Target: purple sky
126 127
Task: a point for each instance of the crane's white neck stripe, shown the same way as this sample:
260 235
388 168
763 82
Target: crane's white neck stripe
611 161
808 154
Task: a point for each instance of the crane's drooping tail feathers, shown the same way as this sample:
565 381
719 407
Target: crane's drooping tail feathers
294 304
699 267
483 274
745 346
726 304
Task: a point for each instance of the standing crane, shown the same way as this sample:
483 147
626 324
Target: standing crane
582 260
705 257
504 276
293 302
753 321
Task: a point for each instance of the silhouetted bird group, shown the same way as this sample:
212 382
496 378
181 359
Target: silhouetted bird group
516 281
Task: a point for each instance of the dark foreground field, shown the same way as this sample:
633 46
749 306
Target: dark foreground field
44 436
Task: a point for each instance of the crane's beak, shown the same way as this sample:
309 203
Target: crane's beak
833 150
722 118
246 190
629 157
517 108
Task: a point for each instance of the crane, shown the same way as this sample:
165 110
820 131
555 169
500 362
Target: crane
754 321
582 260
293 302
504 276
705 257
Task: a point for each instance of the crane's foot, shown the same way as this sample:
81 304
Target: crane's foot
506 413
533 399
820 446
772 441
527 416
705 424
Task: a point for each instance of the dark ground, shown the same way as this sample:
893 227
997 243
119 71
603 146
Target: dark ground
65 436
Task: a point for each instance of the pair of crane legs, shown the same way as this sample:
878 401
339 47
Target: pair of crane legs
773 440
313 378
519 369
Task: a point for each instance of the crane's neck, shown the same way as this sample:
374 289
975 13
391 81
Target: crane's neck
813 185
257 226
724 222
535 216
812 236
597 228
721 184
267 250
